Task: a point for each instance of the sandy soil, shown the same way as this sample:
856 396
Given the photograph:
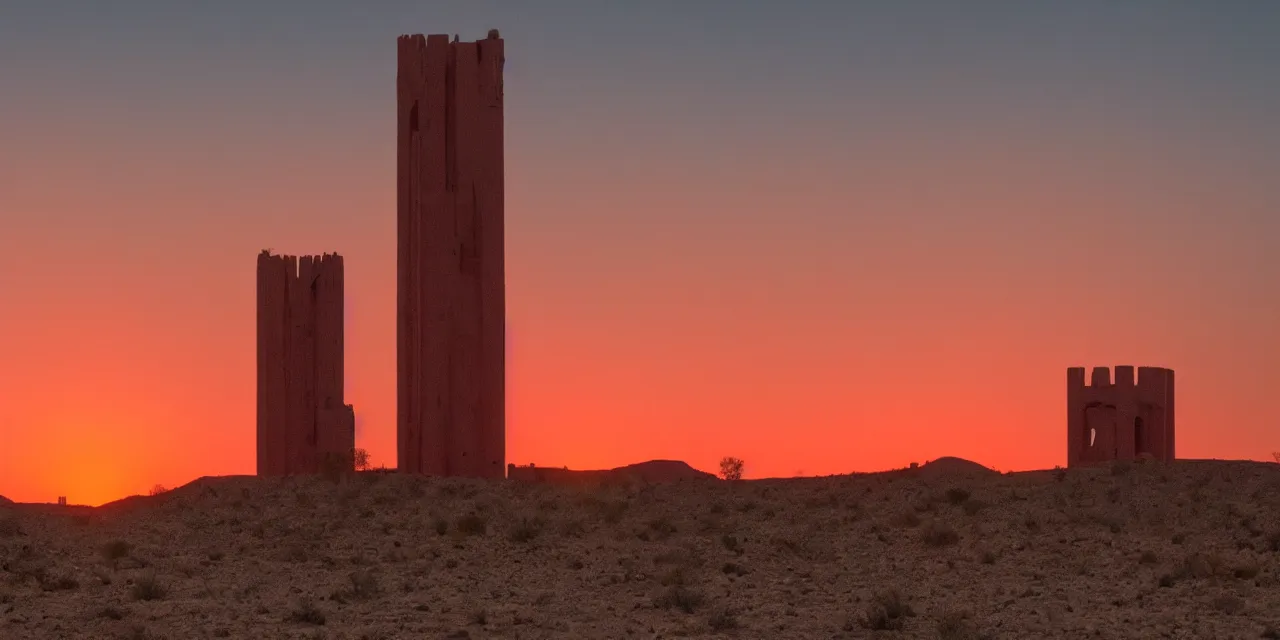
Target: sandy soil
1190 550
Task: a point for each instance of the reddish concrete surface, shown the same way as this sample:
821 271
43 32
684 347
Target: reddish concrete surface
1121 420
451 282
301 414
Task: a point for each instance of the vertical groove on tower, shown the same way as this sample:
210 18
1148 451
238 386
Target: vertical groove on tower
302 419
450 285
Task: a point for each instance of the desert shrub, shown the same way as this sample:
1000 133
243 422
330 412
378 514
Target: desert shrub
306 613
887 611
972 507
731 543
9 527
682 597
955 625
360 459
364 584
1228 604
610 511
147 587
472 524
1276 455
479 616
116 549
158 489
956 495
573 528
59 583
907 519
1247 570
527 529
112 613
1120 467
731 468
936 534
662 527
722 619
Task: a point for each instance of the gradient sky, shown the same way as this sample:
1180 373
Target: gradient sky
822 237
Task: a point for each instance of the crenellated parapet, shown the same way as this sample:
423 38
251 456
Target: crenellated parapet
1121 418
302 417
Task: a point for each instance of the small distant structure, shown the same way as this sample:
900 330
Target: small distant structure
1120 420
303 421
62 501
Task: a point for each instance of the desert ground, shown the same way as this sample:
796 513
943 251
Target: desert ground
947 550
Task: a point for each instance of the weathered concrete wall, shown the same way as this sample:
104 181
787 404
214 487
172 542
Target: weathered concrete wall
301 414
451 306
1121 419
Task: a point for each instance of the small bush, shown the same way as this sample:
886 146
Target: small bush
731 468
59 583
955 625
907 519
364 584
116 549
147 587
662 526
680 597
886 612
472 524
527 529
9 527
936 534
722 620
1228 604
306 613
957 495
731 543
112 613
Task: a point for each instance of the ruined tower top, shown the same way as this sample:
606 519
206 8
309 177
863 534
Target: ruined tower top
1120 418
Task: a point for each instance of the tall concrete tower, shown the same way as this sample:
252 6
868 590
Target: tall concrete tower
451 281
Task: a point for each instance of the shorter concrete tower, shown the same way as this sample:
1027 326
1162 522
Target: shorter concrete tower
1121 420
302 419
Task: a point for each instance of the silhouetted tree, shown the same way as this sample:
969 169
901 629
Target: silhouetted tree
360 459
158 489
1276 455
731 468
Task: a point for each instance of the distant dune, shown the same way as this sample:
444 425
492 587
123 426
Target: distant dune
653 471
949 466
